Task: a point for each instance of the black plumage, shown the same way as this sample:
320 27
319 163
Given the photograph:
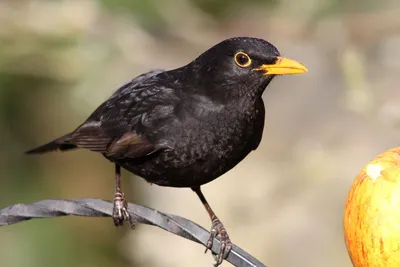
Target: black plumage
188 126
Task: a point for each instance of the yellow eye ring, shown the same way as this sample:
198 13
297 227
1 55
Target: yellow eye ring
242 59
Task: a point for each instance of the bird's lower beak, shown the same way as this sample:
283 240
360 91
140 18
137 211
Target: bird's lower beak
283 66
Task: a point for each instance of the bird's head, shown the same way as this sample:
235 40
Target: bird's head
241 66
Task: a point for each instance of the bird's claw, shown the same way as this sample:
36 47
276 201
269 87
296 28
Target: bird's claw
218 229
120 211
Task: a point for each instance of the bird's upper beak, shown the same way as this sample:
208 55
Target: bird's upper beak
282 66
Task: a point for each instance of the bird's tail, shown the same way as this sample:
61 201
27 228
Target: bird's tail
55 145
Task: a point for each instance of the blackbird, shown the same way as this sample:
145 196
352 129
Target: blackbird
187 126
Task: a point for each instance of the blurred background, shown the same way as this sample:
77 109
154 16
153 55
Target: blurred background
284 203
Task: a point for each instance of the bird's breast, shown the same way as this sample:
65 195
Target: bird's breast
207 149
199 151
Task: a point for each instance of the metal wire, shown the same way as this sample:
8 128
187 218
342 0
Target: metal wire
101 208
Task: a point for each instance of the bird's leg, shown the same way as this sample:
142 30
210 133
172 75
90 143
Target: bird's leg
120 209
217 228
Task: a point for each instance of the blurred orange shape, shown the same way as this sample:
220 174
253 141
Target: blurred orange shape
372 213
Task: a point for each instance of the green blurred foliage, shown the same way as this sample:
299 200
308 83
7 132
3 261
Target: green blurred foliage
220 9
145 12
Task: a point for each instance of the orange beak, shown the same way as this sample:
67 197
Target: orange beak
282 66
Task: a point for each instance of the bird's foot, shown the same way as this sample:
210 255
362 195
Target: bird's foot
218 229
120 210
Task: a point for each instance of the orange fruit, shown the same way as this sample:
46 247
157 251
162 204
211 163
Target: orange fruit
372 213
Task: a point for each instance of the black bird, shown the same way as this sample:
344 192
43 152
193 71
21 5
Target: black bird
185 127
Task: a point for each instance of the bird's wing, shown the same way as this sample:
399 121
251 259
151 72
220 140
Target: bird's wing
117 128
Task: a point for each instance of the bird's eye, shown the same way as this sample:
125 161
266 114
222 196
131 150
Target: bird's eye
242 59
